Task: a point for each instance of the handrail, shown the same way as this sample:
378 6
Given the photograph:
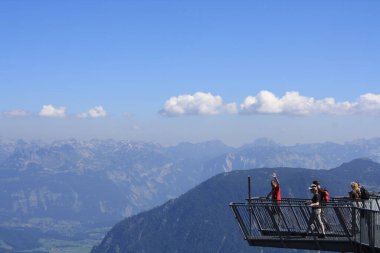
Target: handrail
351 222
292 218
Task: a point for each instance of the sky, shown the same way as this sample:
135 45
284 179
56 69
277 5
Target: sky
171 71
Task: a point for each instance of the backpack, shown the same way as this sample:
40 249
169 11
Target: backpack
325 195
364 194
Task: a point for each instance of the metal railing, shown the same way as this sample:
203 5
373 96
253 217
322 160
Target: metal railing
369 227
353 222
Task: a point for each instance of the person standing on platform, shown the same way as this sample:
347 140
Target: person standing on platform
355 192
315 217
275 192
275 195
325 198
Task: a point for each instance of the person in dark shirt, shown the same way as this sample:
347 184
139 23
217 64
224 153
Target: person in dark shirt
323 199
315 216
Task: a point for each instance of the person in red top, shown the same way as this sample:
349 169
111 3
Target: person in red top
275 192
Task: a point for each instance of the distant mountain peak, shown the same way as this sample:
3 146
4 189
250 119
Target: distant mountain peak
264 142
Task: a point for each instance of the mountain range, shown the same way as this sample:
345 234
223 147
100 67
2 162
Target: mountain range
74 190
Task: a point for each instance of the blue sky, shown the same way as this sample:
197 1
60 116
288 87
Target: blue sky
172 71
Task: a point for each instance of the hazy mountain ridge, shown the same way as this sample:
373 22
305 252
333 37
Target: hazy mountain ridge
201 221
90 184
133 176
314 156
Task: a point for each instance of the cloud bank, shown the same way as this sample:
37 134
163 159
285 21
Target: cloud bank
265 102
199 103
52 112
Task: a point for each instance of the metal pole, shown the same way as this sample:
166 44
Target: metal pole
250 205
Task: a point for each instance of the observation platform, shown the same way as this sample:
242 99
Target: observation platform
350 226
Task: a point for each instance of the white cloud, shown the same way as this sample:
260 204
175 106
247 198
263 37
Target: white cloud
369 102
16 114
292 103
199 103
51 111
96 112
265 102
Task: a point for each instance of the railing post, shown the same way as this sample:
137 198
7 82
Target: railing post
250 205
371 226
353 226
377 203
